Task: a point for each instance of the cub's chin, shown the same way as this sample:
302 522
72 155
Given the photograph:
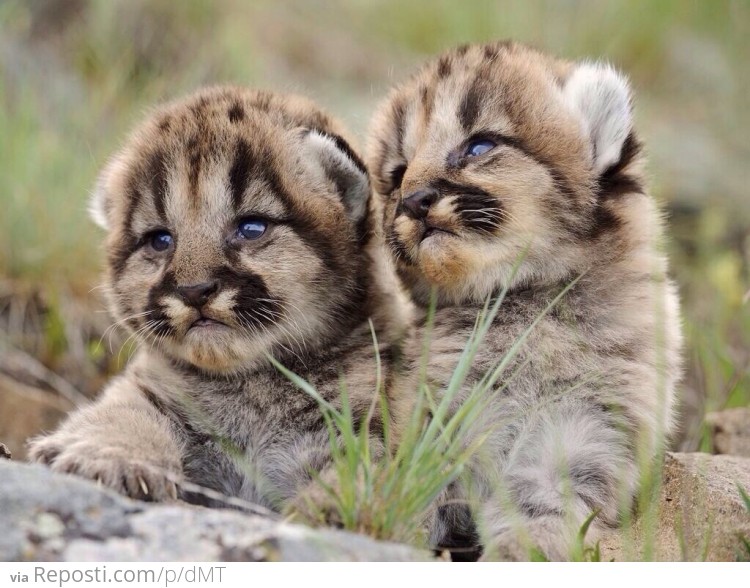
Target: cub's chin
445 259
217 348
439 256
463 268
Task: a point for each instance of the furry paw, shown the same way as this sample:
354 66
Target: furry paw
317 503
538 539
113 467
507 547
316 506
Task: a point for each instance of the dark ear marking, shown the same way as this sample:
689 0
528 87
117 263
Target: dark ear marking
615 181
630 149
343 167
346 148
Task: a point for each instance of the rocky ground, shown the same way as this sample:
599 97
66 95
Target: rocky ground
701 512
47 516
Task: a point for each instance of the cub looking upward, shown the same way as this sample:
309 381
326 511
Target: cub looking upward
240 225
496 156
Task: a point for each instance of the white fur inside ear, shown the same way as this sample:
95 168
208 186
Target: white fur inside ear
98 206
601 96
340 166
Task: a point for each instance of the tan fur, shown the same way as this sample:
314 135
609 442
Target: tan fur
592 388
203 404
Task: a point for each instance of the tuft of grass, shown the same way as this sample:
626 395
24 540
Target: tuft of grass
391 494
581 551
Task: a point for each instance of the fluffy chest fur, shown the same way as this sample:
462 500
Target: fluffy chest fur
259 437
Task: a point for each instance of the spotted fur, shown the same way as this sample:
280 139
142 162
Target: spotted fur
200 402
559 195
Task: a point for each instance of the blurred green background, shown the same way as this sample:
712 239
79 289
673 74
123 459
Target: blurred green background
76 74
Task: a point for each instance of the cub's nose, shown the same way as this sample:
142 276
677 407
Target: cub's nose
199 294
417 204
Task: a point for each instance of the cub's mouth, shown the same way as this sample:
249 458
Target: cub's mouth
203 323
409 238
434 231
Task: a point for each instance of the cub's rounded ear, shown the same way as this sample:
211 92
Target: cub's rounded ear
103 203
601 96
99 204
343 167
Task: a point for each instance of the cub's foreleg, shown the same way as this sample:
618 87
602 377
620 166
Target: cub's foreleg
121 440
568 461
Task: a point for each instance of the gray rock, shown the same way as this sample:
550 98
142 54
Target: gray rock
48 516
730 431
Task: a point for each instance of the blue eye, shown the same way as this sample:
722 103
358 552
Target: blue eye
477 148
252 228
161 241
